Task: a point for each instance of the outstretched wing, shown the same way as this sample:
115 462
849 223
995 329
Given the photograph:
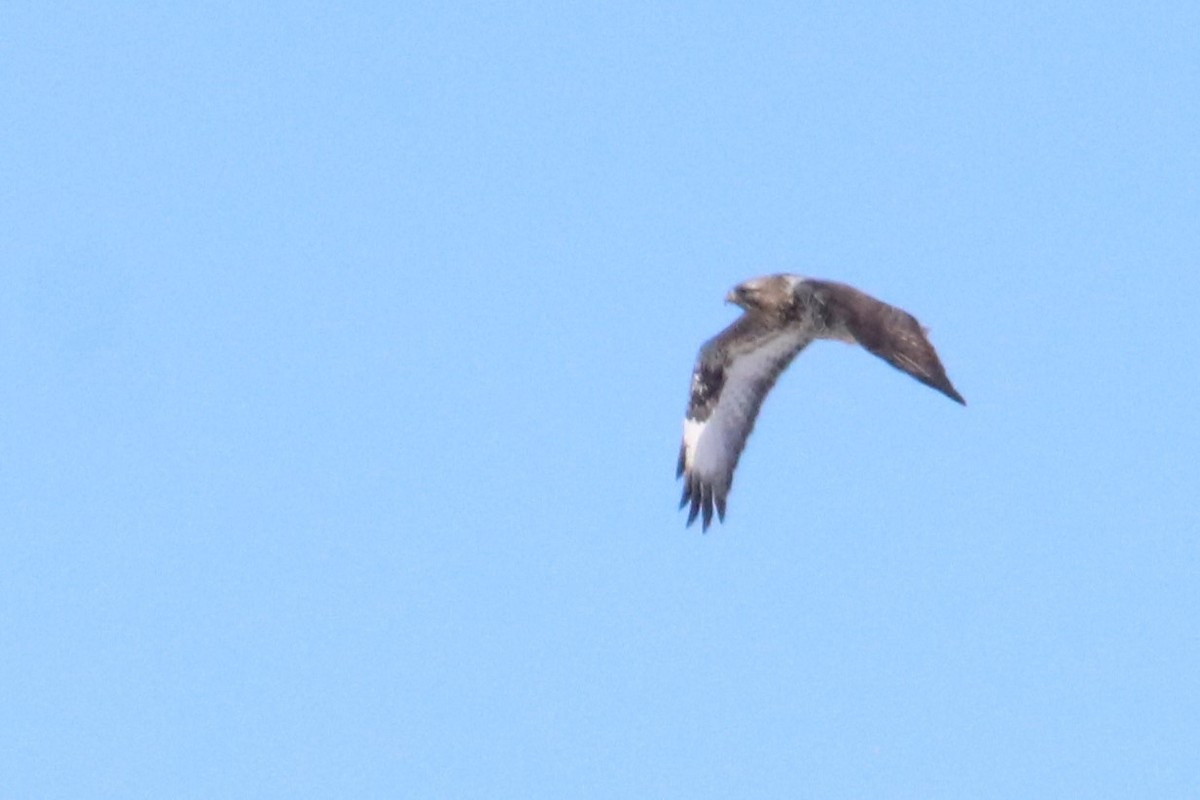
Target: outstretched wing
886 331
733 374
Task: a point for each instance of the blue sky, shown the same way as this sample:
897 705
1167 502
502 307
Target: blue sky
345 353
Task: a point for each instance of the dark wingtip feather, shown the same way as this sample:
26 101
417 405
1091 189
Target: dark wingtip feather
940 383
704 501
695 509
951 392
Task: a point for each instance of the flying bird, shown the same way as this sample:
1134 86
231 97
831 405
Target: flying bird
737 368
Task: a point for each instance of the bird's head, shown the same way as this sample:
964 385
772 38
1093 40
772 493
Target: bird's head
770 293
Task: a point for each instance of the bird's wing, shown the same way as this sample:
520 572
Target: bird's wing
886 331
734 372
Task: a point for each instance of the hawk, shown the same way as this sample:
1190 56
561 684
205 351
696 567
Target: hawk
737 367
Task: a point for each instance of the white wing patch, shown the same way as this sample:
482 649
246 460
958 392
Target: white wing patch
692 431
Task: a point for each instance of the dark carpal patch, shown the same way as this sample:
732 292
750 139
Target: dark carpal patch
707 381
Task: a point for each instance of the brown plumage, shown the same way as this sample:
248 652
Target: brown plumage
737 368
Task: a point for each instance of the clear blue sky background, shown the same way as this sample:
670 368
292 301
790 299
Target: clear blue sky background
344 358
